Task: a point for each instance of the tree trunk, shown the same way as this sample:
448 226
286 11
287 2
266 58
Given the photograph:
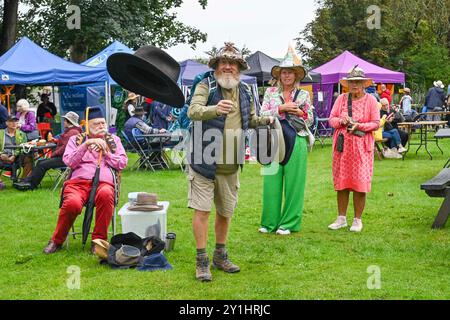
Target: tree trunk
9 31
78 52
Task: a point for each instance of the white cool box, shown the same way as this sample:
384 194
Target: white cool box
144 223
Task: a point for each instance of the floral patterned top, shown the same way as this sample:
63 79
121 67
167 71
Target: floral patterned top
272 101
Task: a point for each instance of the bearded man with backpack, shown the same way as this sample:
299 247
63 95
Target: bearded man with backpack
221 108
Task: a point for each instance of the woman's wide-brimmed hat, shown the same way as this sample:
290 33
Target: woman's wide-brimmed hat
72 117
291 61
229 52
131 96
150 72
356 74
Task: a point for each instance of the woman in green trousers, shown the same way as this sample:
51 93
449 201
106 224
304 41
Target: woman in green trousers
288 182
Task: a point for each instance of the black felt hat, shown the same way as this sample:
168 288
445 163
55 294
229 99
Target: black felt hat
150 72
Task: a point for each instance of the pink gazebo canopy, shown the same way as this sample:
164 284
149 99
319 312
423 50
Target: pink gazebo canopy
338 68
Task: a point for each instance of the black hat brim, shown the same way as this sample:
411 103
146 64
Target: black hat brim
142 77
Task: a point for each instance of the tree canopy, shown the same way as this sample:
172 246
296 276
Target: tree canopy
133 22
414 36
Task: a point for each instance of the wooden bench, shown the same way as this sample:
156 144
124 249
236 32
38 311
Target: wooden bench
439 187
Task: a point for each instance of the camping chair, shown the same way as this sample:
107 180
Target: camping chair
379 149
58 175
139 144
116 178
321 131
14 167
129 147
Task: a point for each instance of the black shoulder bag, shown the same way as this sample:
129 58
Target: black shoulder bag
289 133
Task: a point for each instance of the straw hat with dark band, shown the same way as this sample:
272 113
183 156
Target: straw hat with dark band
356 74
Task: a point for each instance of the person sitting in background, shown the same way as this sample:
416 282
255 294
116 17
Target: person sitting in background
435 100
46 111
372 90
406 102
389 132
137 121
27 118
3 116
130 104
71 128
386 93
161 115
9 137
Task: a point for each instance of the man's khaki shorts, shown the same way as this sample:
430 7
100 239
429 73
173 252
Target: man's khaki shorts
223 190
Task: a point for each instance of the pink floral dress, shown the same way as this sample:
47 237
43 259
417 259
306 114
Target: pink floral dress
353 168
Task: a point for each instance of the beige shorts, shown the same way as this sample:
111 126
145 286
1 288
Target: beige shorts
223 190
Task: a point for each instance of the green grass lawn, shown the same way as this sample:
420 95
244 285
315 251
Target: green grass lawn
315 263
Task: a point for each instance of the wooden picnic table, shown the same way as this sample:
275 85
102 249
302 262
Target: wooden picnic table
444 113
425 127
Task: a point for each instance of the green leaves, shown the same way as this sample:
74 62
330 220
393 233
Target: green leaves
414 36
133 22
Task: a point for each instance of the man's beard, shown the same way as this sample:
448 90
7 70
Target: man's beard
226 80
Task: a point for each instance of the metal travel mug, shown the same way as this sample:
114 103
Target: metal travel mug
170 241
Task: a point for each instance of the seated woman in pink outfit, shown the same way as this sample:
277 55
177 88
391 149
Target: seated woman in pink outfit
353 143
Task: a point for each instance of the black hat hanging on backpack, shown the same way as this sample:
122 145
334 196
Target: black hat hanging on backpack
150 72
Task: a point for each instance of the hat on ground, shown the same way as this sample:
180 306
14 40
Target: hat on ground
145 202
127 255
130 238
438 84
152 245
229 52
72 117
356 74
101 248
291 61
156 261
150 72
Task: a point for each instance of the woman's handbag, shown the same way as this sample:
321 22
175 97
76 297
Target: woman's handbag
299 124
340 143
264 144
270 143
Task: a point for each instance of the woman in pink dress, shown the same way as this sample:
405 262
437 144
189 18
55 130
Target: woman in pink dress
353 143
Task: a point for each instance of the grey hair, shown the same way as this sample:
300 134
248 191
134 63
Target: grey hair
23 105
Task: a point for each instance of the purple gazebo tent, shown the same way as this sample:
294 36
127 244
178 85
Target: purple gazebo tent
336 69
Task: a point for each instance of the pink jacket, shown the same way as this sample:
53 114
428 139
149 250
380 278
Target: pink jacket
83 161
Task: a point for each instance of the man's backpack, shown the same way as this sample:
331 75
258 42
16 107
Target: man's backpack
212 85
